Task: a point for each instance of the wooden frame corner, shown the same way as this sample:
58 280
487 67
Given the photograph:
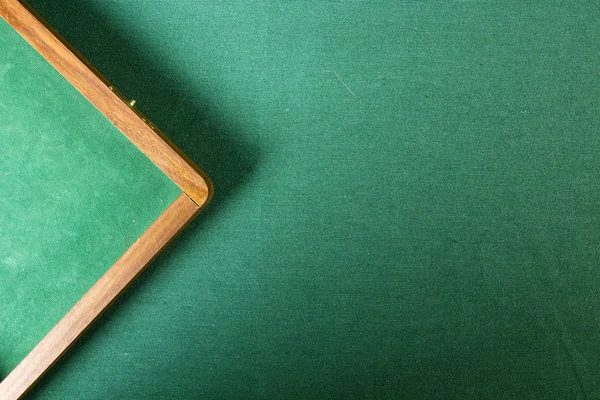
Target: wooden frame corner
196 187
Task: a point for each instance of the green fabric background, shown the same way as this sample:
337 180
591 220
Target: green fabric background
407 200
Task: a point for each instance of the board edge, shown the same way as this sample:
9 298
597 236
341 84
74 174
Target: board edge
99 298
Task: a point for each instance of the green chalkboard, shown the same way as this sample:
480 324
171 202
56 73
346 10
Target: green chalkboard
74 195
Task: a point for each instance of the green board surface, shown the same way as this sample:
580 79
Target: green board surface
74 195
407 200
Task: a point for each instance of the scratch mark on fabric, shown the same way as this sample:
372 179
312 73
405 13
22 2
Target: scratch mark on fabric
44 147
10 262
340 79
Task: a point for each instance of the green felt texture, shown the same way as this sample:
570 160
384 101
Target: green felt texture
407 200
75 194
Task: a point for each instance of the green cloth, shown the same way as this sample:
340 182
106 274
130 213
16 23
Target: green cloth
407 200
76 194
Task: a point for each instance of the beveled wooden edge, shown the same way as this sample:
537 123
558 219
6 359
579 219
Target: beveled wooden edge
98 298
108 101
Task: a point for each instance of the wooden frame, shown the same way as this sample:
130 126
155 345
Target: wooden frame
196 187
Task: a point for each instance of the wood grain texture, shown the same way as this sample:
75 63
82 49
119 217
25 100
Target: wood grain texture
98 298
96 89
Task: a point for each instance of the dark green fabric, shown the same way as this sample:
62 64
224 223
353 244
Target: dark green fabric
75 194
407 200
